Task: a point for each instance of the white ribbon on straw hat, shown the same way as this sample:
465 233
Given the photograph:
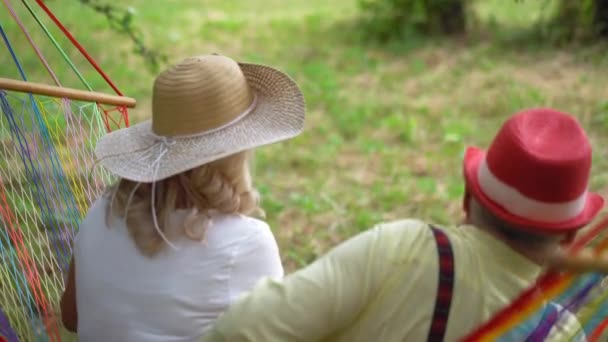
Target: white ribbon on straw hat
203 109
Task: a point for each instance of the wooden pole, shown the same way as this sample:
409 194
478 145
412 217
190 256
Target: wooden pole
580 262
70 93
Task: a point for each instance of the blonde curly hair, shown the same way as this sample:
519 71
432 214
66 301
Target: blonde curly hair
223 185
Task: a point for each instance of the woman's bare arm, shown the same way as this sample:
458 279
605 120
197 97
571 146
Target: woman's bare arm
69 314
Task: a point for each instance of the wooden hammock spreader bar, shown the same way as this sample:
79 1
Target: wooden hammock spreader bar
580 262
70 93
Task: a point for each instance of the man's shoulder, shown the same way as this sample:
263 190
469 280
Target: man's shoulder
402 232
402 226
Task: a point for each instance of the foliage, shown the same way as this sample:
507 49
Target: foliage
385 129
121 20
385 19
574 20
568 20
386 126
601 17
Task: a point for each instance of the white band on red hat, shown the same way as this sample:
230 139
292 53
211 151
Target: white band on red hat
519 204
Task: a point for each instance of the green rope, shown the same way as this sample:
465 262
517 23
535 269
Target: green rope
97 117
65 56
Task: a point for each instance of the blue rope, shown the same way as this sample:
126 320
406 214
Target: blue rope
6 109
18 277
598 316
580 287
24 154
63 253
576 296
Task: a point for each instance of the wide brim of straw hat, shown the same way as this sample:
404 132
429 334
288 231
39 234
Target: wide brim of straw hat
472 161
132 153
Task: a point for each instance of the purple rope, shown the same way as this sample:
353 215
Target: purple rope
6 331
544 327
29 38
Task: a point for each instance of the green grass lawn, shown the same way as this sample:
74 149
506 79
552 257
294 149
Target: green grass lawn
386 126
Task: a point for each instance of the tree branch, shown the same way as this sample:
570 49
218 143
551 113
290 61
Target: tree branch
121 20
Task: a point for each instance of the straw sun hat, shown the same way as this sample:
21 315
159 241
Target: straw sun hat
204 108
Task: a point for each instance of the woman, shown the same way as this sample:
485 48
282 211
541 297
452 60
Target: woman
173 243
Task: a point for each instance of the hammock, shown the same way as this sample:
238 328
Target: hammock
555 295
47 137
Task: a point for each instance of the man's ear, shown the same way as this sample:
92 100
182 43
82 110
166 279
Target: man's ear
568 239
466 200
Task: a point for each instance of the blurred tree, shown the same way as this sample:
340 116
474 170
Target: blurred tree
601 17
579 19
447 16
121 20
387 19
569 20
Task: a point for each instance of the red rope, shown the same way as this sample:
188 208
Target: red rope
543 282
107 118
595 336
32 276
75 42
515 306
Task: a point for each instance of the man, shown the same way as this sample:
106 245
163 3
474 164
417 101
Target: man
407 281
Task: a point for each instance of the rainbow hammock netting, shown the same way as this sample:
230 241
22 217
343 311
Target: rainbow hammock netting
47 137
556 298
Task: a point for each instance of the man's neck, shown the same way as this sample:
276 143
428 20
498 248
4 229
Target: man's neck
538 253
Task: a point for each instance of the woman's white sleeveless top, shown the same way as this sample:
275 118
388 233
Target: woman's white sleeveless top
177 294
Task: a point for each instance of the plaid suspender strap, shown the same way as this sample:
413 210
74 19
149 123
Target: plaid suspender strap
445 289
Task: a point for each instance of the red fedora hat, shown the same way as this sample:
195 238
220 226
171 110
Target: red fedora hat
535 173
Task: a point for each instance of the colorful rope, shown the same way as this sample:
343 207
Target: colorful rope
552 287
46 149
45 146
56 44
7 333
78 46
29 39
